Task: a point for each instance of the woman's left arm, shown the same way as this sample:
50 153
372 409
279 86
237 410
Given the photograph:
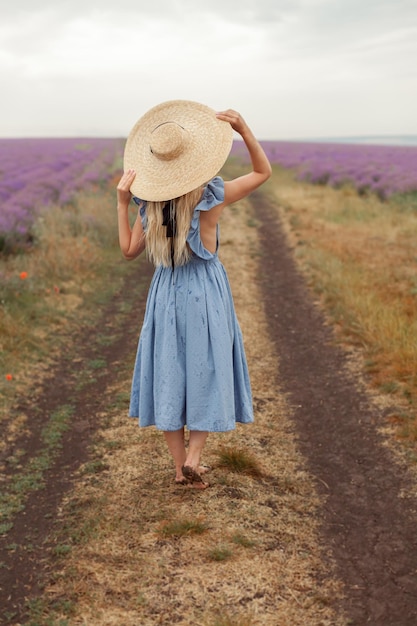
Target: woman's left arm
131 240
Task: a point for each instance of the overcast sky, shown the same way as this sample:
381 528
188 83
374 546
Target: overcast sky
293 68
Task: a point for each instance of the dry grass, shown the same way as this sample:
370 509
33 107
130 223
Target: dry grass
137 549
360 255
61 272
53 275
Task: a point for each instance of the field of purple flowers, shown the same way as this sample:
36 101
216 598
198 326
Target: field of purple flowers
37 173
383 170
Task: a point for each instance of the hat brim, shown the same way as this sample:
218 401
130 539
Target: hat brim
208 146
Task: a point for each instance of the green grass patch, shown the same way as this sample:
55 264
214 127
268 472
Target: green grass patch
62 550
96 364
239 460
121 400
242 540
83 525
181 528
105 340
30 478
219 553
39 612
406 202
96 466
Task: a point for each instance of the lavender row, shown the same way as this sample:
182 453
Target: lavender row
383 170
35 173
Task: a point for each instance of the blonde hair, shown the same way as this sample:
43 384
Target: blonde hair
163 250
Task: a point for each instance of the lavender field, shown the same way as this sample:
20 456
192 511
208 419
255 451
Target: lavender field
378 169
37 173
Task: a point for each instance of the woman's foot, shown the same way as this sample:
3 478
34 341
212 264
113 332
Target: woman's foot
180 479
194 477
191 474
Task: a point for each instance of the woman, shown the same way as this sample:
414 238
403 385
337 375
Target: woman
190 368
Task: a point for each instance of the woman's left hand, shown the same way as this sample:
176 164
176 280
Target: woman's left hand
123 188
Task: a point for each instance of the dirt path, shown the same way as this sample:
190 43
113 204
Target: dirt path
369 519
75 380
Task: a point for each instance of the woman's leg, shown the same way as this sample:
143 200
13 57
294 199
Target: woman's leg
195 448
176 446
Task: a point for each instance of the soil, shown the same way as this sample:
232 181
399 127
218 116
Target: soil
368 521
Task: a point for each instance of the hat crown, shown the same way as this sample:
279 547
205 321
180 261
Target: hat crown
168 141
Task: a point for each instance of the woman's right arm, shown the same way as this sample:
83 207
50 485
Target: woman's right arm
261 168
131 240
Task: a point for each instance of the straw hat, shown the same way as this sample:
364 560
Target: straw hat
174 148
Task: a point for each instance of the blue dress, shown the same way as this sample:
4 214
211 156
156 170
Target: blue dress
191 367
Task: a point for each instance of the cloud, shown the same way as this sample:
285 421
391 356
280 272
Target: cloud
295 67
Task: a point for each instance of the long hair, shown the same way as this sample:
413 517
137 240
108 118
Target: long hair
162 249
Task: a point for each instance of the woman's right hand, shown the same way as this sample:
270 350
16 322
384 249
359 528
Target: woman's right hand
235 120
123 188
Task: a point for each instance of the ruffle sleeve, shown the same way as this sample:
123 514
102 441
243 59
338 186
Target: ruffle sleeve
213 195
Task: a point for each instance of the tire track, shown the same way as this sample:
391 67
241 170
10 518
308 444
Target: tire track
25 551
369 526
